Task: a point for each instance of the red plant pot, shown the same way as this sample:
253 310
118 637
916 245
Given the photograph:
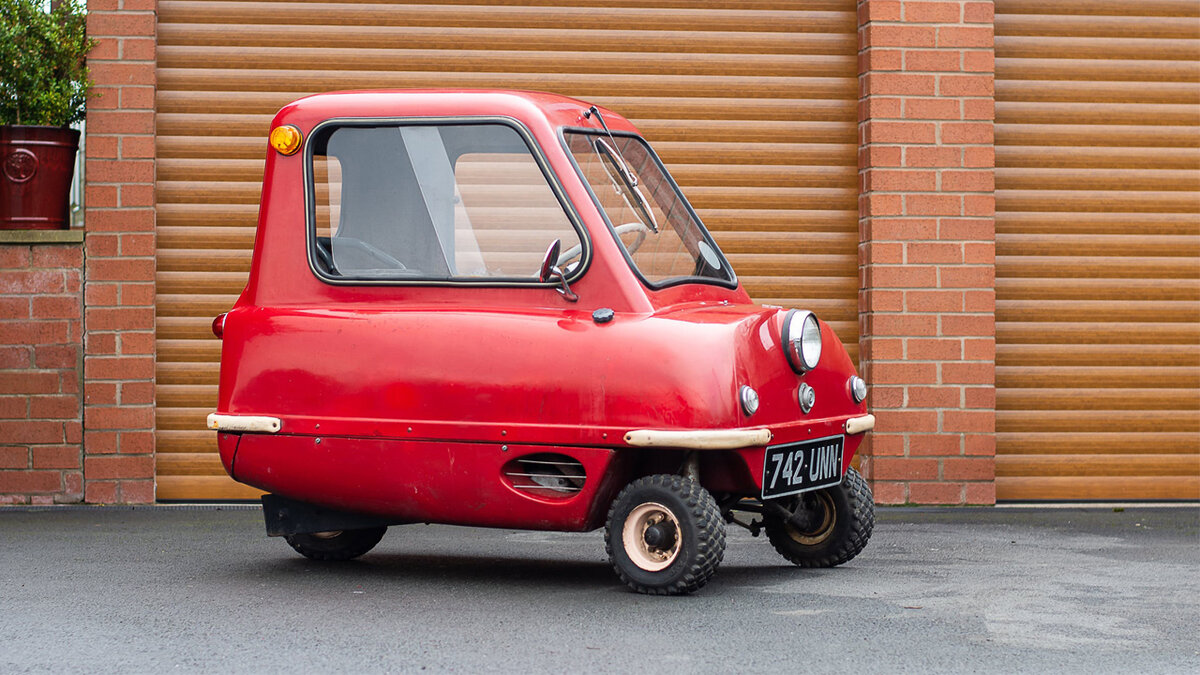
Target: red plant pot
36 166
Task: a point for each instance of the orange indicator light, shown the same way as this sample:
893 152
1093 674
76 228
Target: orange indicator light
286 139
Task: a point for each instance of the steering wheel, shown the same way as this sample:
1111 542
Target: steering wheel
635 226
372 251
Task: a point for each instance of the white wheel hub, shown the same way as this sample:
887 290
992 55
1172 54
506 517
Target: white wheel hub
647 556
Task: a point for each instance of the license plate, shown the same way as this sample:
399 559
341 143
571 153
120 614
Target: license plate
799 467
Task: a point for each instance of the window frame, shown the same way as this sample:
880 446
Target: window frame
531 144
731 283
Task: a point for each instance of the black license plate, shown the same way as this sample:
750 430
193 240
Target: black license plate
799 467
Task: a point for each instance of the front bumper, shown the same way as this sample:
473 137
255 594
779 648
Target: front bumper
726 439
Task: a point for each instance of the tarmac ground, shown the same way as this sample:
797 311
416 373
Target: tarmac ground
202 589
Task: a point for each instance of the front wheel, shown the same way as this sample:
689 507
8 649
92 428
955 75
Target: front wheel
840 522
665 535
336 545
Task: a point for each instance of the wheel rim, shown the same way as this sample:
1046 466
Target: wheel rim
823 530
332 534
633 534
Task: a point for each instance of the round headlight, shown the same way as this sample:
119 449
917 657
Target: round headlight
749 399
802 339
858 389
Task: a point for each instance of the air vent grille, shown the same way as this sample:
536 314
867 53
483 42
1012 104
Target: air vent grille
546 475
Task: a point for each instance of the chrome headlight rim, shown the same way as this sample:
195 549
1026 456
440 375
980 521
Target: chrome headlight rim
797 325
858 389
748 397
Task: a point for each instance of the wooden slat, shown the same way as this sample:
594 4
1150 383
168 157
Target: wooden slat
522 61
751 103
1093 465
185 441
1077 398
186 373
1105 488
1125 420
1072 334
598 40
1097 92
1018 222
1096 355
203 488
1036 288
1107 377
247 16
1097 250
1098 443
188 464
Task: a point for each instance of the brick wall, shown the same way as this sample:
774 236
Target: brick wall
41 320
120 245
927 248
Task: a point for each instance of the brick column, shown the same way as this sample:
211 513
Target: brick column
927 248
118 411
41 319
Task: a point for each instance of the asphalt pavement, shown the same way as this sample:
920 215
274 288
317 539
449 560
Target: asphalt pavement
159 589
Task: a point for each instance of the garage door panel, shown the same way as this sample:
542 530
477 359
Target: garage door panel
752 105
1097 250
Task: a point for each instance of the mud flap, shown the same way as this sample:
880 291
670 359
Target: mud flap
285 516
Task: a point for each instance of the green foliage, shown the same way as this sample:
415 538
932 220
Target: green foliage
43 72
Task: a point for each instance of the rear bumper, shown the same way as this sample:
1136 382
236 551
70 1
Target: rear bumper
736 439
259 423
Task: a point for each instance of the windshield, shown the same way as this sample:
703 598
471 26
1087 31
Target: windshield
665 242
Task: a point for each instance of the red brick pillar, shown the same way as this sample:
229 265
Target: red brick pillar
118 414
927 248
41 319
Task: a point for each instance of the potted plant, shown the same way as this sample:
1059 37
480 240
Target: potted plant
44 85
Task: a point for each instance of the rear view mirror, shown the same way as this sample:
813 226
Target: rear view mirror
550 271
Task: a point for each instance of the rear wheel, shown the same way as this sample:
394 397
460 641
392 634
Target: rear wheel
665 535
840 521
336 545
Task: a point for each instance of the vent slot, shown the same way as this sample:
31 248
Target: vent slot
546 475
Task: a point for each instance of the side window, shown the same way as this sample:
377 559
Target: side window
450 202
507 214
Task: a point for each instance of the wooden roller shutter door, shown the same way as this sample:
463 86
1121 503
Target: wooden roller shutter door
1098 250
751 104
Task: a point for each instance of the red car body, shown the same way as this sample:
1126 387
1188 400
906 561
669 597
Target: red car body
414 402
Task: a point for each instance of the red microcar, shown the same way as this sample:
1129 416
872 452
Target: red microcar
497 309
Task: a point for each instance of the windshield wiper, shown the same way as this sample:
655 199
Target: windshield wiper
627 176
